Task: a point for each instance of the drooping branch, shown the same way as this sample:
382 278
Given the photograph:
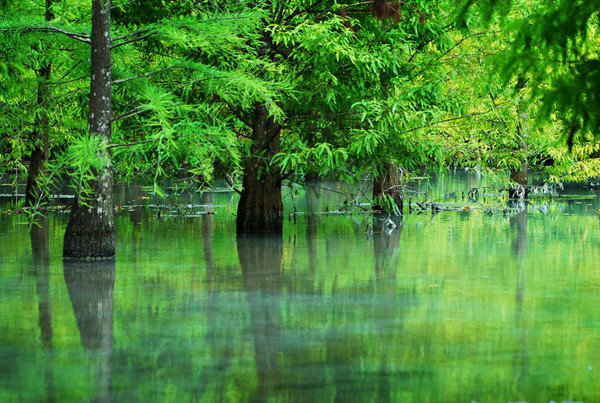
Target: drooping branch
140 109
115 145
78 37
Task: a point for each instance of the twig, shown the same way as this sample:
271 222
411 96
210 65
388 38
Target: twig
124 80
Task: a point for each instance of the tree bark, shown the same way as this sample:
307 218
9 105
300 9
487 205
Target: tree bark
260 209
388 183
40 135
90 233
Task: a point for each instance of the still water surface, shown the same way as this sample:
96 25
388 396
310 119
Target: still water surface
460 306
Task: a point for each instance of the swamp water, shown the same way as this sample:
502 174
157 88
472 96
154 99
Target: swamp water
459 306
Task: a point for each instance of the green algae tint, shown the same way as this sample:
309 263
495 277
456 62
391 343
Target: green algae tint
460 306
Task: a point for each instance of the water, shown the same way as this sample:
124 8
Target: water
460 306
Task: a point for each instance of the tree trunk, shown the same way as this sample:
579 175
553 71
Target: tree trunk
520 175
388 183
90 233
40 135
260 208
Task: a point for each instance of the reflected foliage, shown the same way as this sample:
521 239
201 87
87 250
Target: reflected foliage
457 306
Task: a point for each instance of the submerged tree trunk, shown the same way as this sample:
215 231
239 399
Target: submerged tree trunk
260 208
388 183
90 234
40 135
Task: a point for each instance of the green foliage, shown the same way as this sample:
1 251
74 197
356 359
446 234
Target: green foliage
352 93
556 44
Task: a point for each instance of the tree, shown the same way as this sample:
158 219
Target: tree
41 138
556 45
90 233
356 86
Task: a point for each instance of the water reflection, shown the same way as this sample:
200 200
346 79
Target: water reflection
90 287
386 246
518 226
207 230
313 192
260 259
465 307
41 267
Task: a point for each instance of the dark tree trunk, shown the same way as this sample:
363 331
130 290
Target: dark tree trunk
260 208
40 135
90 234
388 183
520 176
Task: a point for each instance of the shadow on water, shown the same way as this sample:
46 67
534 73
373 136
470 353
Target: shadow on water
90 287
260 259
219 334
518 226
41 267
386 247
386 250
207 230
313 192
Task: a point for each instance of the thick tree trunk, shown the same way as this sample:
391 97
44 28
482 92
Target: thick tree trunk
40 135
260 208
388 183
90 234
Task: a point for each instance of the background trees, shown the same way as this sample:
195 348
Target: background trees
260 92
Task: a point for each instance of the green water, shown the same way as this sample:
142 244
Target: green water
460 306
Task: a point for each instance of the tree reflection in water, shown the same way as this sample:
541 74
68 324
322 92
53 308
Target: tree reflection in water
386 250
260 259
41 265
90 287
518 226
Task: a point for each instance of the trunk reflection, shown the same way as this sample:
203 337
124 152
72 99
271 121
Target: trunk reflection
90 287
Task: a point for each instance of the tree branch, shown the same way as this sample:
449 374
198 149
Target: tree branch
124 80
78 37
139 38
115 145
136 33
